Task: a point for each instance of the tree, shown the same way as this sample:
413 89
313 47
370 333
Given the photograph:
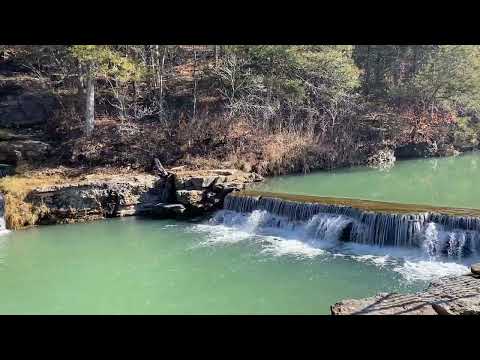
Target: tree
115 67
450 78
330 75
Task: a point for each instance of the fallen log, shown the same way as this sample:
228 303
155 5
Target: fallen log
159 169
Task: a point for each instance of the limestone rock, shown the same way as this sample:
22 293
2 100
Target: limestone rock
95 199
209 179
456 295
475 268
24 109
191 198
162 210
383 304
174 208
12 152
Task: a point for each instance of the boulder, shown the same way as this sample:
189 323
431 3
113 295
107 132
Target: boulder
26 109
209 179
177 209
13 152
227 187
162 210
190 198
475 268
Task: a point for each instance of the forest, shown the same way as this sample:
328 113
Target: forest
272 109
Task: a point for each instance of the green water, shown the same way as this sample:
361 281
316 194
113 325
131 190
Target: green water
140 266
451 181
134 266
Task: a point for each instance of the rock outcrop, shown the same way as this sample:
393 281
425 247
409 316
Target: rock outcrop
182 194
15 151
22 107
458 295
384 304
205 190
97 199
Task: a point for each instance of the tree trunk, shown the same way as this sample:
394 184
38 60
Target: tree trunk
90 105
161 79
153 65
81 80
194 82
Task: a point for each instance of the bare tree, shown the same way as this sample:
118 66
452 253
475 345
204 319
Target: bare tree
194 81
90 102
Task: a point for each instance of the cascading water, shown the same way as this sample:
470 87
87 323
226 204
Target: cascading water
438 234
2 214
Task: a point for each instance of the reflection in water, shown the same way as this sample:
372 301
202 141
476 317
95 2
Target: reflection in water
441 181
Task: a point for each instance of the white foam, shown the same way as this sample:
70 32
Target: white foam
426 270
3 228
379 261
277 236
221 234
296 248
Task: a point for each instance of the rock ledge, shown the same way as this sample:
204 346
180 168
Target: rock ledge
458 295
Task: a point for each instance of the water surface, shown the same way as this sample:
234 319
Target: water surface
231 263
451 181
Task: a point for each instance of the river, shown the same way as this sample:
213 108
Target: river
229 264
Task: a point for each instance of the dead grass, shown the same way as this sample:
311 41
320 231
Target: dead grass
20 213
236 143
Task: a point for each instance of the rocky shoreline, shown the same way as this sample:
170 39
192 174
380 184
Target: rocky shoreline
182 193
458 295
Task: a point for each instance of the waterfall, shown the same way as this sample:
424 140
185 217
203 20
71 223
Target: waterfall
438 234
2 213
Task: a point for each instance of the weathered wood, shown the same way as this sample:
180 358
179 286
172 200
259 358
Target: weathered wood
159 169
